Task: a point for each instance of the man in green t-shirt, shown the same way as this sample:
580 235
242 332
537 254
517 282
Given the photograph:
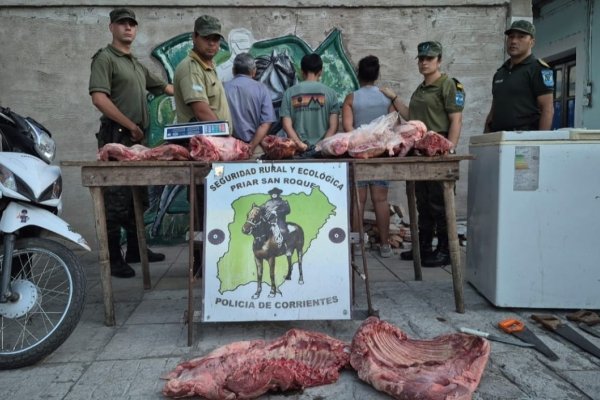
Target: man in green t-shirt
309 110
118 85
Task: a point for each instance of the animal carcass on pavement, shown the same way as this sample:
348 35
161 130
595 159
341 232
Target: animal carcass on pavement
446 367
248 369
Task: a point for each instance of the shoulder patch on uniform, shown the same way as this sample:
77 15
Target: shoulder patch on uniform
548 77
96 53
459 86
544 63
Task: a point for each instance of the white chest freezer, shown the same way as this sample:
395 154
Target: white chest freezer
534 218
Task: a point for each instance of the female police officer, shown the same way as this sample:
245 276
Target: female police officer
438 102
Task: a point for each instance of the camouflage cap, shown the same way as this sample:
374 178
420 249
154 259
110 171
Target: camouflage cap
206 25
429 49
119 14
521 26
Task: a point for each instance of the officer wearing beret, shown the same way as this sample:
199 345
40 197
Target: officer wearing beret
438 102
522 87
118 86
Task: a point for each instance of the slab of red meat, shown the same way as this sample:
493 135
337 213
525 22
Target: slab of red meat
335 145
421 128
433 144
119 152
446 367
248 369
167 152
216 148
278 148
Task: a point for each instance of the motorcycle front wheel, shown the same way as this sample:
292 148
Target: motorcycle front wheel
50 284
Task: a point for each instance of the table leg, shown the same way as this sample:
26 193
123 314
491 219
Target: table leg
457 272
97 193
414 228
361 232
138 211
192 234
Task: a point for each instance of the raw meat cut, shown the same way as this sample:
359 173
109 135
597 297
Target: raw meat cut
248 369
119 152
433 144
216 148
278 148
370 140
410 132
167 152
335 145
446 367
137 152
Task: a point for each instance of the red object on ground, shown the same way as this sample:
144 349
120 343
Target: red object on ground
433 144
446 367
278 148
248 369
216 148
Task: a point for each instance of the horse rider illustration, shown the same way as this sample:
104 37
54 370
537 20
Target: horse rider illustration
276 210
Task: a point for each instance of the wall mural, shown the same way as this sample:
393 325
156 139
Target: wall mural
278 67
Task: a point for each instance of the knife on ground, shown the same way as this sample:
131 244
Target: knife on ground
495 338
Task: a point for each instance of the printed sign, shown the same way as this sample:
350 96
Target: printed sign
276 242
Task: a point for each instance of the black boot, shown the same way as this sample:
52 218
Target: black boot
440 257
133 251
118 267
424 247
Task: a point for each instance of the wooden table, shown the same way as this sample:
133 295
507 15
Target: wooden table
444 169
96 175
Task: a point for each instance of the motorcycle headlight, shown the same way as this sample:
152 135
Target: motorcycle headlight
7 178
53 192
44 144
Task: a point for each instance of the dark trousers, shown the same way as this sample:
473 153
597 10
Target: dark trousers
118 200
432 211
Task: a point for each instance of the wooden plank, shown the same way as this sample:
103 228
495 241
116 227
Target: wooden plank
138 211
440 171
136 175
103 255
457 270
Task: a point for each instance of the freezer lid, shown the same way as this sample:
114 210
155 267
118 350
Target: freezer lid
535 136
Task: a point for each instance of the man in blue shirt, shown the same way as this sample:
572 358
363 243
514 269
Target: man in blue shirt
250 104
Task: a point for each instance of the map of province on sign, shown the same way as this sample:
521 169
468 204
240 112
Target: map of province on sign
237 266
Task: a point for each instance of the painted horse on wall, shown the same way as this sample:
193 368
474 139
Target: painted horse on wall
265 247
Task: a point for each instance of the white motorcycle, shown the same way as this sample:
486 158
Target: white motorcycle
42 283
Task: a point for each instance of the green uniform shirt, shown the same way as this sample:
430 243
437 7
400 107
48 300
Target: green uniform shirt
431 104
309 104
125 81
197 81
515 91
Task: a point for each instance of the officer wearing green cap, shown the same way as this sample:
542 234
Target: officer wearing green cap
438 102
118 86
199 93
523 87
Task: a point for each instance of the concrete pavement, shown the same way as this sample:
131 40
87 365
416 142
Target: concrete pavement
126 361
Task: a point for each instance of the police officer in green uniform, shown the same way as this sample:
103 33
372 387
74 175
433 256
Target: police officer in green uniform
522 87
199 93
438 102
118 85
